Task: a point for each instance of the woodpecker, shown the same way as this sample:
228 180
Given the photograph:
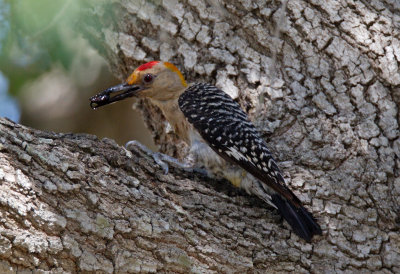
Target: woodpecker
220 136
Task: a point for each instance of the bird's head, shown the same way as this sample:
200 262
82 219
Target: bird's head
156 80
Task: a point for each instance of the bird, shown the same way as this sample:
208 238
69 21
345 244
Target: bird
220 136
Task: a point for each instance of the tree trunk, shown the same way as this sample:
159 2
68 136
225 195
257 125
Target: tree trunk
321 81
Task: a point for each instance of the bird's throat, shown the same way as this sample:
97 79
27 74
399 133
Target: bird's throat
175 117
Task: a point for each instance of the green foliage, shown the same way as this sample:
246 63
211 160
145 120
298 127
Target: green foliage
34 35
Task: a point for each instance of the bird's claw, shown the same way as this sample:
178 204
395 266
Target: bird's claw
161 159
164 161
157 157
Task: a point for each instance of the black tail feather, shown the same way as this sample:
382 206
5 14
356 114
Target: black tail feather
302 222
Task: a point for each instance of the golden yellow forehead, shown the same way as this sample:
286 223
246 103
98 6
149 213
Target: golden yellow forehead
132 79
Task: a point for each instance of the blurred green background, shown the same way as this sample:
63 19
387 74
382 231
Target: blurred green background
48 72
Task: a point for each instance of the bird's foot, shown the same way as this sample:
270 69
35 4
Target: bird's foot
163 160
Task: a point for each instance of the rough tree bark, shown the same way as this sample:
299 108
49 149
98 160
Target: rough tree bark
320 80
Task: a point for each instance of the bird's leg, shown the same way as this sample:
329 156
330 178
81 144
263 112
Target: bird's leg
163 160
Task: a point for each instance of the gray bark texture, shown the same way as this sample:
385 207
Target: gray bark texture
319 79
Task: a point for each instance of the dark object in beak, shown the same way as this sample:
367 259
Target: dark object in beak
105 97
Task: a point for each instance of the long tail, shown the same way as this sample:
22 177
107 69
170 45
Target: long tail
302 222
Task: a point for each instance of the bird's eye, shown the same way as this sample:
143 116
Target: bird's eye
148 78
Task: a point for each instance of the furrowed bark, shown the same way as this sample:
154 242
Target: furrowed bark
320 80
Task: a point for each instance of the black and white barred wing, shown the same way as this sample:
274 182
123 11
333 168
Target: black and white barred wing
226 128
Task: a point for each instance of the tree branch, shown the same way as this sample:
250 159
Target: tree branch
320 81
75 203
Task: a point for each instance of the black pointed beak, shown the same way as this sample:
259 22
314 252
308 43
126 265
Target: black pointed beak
114 94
